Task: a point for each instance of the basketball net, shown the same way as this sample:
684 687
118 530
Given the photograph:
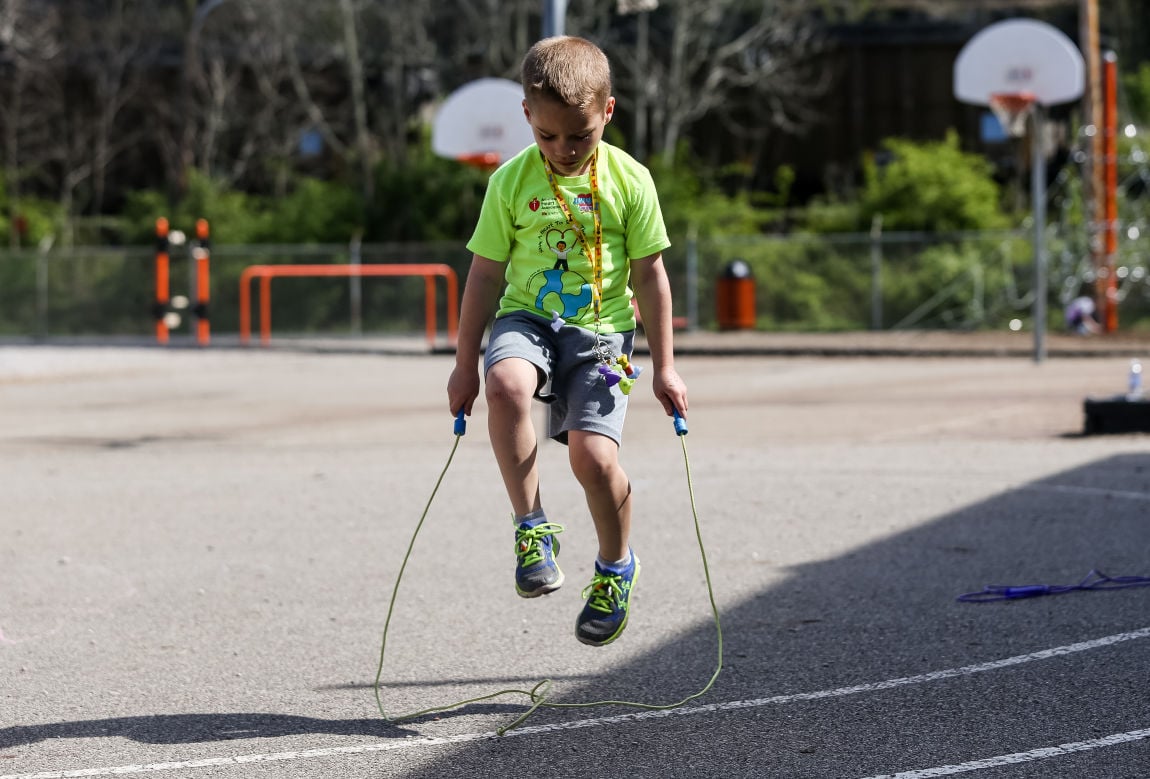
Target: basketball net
1012 110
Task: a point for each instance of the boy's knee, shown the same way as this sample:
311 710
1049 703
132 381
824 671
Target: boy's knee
593 464
511 382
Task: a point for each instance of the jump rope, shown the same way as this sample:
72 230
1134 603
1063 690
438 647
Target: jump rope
538 695
1095 580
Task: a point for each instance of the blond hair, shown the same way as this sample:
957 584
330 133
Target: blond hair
573 71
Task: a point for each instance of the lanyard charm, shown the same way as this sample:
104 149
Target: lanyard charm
617 370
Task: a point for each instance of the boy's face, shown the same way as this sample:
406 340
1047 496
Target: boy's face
567 135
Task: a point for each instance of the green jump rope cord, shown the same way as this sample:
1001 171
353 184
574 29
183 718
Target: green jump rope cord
538 694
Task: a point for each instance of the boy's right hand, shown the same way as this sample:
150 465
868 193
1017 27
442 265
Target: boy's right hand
462 389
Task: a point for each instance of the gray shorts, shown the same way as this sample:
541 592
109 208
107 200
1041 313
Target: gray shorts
569 378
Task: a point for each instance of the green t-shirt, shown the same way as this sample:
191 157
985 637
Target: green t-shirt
547 269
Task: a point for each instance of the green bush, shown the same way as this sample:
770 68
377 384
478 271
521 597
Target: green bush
426 198
696 205
928 187
313 211
41 218
234 217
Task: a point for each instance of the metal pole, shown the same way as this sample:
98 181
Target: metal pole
1038 207
42 287
1110 198
1093 110
876 272
554 17
356 285
642 49
692 278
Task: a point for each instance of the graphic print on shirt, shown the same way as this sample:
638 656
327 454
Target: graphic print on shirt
558 288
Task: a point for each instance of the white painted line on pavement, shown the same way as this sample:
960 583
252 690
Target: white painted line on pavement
1021 757
1094 492
774 700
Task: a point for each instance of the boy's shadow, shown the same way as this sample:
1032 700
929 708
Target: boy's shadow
204 728
199 728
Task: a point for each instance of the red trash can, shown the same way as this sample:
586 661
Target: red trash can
735 297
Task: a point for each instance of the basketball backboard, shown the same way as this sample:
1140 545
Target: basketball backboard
482 122
1019 57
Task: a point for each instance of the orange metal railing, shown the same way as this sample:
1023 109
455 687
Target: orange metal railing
429 272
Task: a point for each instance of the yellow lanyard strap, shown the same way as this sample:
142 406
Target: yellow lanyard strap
595 255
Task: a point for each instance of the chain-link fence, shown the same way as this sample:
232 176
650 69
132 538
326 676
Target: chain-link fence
889 281
85 291
803 283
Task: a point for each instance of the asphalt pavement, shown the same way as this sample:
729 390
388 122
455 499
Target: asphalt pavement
198 547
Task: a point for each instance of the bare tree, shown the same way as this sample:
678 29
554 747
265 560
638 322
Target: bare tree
227 87
364 152
484 38
747 63
30 97
306 45
326 73
267 119
257 75
403 54
104 56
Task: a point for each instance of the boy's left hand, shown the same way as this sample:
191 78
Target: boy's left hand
671 391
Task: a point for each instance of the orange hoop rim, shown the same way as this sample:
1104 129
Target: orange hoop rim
1012 110
480 160
1015 102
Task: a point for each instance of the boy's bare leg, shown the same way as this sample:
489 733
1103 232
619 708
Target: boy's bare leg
595 463
510 386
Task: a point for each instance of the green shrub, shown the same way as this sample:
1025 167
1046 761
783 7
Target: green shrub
928 187
42 218
234 217
426 198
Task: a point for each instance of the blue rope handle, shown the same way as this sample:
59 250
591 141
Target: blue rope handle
1095 580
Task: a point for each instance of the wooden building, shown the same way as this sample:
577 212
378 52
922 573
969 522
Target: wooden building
891 75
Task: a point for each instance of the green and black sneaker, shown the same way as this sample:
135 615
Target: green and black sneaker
608 603
536 570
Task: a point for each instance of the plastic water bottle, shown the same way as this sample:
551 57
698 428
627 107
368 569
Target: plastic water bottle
1134 385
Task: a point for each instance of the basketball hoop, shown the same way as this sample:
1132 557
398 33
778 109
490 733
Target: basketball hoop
1012 110
1014 66
482 124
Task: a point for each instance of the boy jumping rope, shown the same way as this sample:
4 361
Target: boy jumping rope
567 326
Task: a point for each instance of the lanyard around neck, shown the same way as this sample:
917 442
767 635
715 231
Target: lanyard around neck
594 254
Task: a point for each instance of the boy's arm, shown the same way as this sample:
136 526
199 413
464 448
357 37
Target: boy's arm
649 279
481 295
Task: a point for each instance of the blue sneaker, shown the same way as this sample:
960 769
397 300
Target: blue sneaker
608 603
536 571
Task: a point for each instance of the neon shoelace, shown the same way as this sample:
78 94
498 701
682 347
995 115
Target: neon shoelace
605 592
528 546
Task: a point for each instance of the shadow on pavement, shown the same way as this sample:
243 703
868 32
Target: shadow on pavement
199 728
884 611
881 612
